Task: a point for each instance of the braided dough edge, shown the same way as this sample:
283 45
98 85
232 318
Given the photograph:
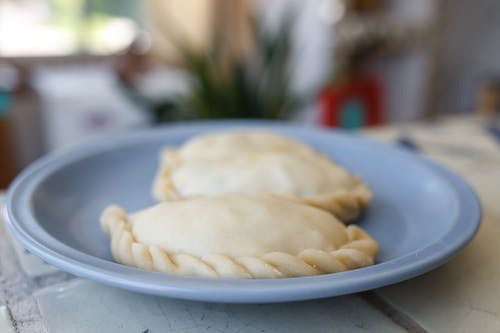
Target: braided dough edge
346 205
358 252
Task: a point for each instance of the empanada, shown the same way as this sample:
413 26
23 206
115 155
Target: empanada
259 163
236 236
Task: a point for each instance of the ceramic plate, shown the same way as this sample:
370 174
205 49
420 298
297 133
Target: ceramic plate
421 213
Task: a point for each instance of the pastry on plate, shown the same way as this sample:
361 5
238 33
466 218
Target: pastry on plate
236 236
259 163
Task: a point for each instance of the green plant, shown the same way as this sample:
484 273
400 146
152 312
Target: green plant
256 86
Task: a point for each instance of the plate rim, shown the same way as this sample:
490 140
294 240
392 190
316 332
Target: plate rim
226 290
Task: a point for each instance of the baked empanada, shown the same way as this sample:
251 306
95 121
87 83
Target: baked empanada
236 236
259 163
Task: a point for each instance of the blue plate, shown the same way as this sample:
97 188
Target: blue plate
421 213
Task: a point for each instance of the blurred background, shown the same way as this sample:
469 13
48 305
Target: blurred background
76 69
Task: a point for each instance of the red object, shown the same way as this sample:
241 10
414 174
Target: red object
366 91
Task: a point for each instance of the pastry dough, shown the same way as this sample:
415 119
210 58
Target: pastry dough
236 236
259 163
227 144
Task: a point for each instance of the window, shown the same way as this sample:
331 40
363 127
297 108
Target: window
67 27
